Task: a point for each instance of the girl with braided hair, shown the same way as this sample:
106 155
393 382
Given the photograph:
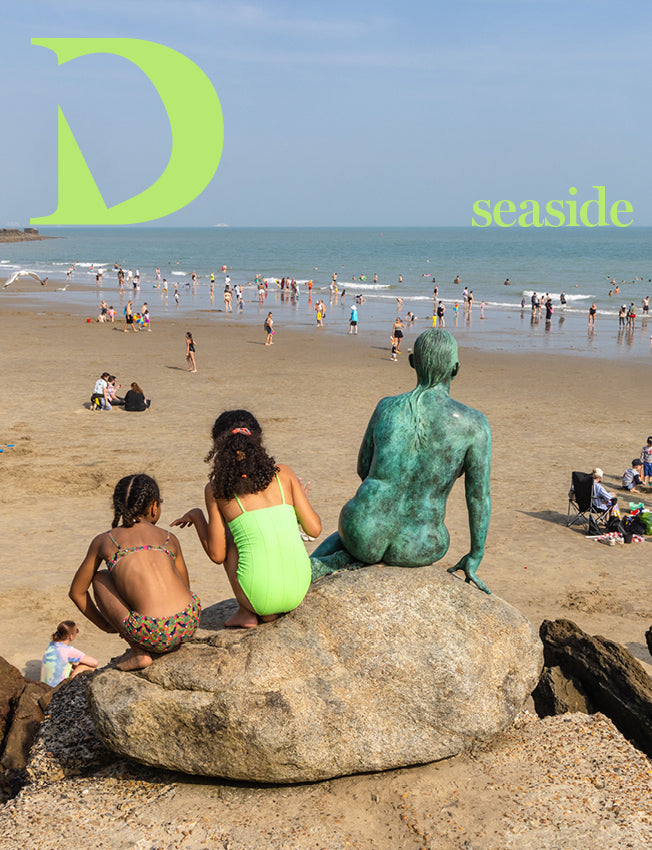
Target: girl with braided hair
145 580
253 505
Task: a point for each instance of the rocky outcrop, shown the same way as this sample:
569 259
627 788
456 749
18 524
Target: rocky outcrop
558 693
12 683
22 709
28 234
380 668
614 682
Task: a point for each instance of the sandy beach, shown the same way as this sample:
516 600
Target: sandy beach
313 395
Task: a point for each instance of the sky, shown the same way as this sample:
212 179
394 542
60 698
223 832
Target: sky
342 113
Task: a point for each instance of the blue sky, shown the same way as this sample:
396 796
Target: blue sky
343 113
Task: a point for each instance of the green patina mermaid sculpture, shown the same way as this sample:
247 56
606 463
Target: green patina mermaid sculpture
414 449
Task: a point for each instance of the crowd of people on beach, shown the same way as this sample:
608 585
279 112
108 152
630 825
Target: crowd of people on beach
288 289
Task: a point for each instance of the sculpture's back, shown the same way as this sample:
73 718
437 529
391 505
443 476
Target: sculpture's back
415 447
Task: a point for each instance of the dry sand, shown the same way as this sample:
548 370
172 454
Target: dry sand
313 394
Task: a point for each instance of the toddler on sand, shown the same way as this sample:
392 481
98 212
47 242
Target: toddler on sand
61 660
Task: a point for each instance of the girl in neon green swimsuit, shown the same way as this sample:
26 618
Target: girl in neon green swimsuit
253 505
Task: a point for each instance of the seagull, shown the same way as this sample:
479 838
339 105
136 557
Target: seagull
24 273
62 288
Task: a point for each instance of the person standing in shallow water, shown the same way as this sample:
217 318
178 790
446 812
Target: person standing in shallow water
592 311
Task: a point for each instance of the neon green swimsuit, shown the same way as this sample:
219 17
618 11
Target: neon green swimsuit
273 565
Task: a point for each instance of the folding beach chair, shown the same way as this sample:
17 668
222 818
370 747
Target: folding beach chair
581 506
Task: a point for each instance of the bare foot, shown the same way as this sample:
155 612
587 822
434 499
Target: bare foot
134 659
268 618
242 619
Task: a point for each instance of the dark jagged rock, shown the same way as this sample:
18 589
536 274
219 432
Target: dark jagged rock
558 693
27 716
12 683
614 681
22 707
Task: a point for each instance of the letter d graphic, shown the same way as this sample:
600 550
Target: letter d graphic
189 99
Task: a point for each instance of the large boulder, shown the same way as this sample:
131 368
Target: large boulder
377 669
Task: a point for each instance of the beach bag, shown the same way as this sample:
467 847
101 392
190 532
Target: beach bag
646 520
615 524
634 525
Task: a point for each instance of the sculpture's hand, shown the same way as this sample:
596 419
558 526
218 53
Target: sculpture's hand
470 564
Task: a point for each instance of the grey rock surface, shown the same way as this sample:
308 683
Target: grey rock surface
377 669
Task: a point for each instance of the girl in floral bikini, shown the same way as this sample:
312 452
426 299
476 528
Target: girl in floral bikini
145 580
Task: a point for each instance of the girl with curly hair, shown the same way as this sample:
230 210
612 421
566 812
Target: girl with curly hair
145 581
253 505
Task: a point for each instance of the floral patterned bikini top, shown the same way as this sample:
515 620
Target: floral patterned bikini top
120 553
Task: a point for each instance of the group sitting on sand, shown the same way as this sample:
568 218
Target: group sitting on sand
105 397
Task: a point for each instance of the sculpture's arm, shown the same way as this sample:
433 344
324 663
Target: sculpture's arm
477 469
366 453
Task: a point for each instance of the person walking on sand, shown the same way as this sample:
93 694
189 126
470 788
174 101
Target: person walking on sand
397 332
353 321
190 352
129 317
269 329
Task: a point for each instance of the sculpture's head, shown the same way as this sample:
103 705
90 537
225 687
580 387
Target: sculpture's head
435 357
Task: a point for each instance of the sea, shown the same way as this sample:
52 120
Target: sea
608 265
